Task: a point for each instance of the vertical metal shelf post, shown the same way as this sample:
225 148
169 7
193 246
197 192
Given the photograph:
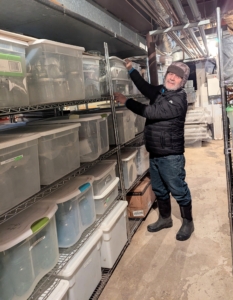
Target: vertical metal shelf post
114 120
225 125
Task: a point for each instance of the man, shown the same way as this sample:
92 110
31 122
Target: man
164 140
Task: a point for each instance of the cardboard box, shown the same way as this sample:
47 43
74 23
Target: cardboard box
140 200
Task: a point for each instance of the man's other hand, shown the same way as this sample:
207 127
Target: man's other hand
128 64
120 98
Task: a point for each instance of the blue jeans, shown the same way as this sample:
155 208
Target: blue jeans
168 176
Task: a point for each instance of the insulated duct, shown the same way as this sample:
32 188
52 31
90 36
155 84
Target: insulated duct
184 19
197 16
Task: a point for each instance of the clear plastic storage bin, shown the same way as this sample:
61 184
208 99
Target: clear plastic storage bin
118 68
124 86
126 127
139 124
91 72
103 201
129 162
104 175
142 159
19 169
56 69
114 234
60 292
28 250
76 209
13 86
83 271
58 149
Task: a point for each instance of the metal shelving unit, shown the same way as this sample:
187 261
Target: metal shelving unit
48 283
226 130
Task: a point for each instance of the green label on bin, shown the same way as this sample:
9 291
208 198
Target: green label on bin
19 157
36 226
10 65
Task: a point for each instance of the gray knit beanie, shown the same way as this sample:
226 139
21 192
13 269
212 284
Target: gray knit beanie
181 70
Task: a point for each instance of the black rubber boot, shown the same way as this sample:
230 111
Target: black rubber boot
165 220
187 226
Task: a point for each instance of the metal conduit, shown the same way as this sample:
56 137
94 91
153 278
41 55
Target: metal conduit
163 23
197 16
182 15
160 21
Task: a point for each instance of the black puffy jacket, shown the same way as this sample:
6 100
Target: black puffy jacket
165 117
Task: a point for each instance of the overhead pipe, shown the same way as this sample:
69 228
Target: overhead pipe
163 23
197 16
160 21
182 15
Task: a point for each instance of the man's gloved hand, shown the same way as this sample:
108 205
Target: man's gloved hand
118 97
128 64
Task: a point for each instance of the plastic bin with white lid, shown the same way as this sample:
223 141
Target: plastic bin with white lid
114 234
139 124
58 148
104 136
19 171
124 86
118 68
126 126
104 174
129 162
142 157
89 134
76 209
53 60
104 201
28 250
60 292
83 271
13 86
91 72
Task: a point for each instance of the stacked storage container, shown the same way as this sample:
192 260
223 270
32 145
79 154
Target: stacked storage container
105 185
58 149
129 161
76 209
13 87
91 72
137 67
28 250
89 133
114 234
196 127
126 127
54 72
83 271
19 165
120 78
142 159
60 292
227 49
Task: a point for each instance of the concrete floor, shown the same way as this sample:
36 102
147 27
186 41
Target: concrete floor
156 266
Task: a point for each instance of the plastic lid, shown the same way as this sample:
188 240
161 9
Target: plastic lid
128 154
9 140
108 190
70 269
91 57
83 119
43 41
43 129
101 169
15 41
113 216
70 190
59 292
116 58
25 224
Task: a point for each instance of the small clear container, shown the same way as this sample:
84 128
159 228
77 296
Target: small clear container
118 68
104 200
104 174
76 209
28 250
